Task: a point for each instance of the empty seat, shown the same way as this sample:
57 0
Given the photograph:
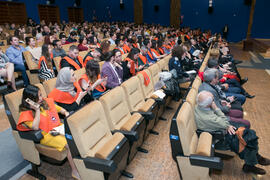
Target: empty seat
196 154
119 118
28 141
136 102
97 153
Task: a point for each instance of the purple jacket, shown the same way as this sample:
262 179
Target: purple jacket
107 71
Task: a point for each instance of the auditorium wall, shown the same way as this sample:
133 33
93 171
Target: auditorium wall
32 8
195 12
231 12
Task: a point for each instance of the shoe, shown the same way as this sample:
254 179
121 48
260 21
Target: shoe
263 161
243 81
253 169
237 62
249 96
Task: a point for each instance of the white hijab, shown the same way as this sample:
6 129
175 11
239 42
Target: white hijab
63 82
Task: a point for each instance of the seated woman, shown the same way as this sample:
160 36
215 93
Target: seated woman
38 113
91 81
131 65
83 44
45 64
93 42
7 70
112 69
175 63
67 92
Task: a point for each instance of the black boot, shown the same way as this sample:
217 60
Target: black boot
253 169
243 81
263 161
248 95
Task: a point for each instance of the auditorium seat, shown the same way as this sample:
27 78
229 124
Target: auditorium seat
33 71
83 53
148 92
155 70
49 85
196 83
101 64
28 141
78 73
136 102
196 155
120 118
56 61
124 56
97 153
191 97
112 47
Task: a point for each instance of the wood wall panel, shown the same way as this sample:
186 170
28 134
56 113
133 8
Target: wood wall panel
175 13
75 15
138 11
12 12
49 13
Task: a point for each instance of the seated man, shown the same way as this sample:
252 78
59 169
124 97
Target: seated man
228 105
91 55
210 118
31 47
57 49
113 38
15 55
72 60
72 37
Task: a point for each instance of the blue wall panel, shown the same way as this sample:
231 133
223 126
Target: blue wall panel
161 17
231 12
261 25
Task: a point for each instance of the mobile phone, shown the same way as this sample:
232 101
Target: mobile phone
32 103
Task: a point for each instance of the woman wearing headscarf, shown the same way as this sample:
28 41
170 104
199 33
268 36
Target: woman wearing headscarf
67 92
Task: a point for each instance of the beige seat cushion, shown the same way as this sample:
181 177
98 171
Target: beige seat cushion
204 144
131 122
51 152
148 104
104 151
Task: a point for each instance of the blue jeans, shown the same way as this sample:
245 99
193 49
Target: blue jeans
241 98
21 68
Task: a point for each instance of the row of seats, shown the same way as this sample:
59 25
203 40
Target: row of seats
33 71
104 135
192 150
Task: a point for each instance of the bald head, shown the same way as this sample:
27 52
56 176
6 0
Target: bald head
204 99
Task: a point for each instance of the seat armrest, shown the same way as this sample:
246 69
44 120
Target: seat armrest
217 135
206 161
34 71
146 115
104 165
130 135
35 136
158 100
